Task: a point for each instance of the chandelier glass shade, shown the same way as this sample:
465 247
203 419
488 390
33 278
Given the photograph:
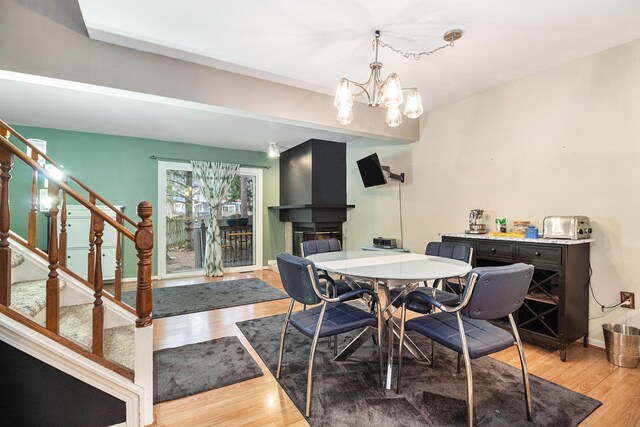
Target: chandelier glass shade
386 92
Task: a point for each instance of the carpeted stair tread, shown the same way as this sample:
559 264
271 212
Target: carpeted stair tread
30 297
76 324
119 345
16 259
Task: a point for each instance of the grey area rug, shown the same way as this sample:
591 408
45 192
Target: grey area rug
194 368
176 300
347 393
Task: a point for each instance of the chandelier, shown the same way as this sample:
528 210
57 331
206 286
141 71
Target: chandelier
388 92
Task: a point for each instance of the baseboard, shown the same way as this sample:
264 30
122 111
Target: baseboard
596 343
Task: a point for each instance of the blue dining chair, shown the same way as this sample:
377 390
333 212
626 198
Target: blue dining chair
327 285
330 316
447 295
333 287
491 293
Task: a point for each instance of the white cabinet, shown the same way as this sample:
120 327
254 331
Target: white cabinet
78 226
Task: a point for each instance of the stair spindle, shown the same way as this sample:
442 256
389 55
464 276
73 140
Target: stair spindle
98 309
91 257
32 229
63 230
6 162
144 246
118 275
53 282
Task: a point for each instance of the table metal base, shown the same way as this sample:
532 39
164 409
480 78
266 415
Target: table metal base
392 330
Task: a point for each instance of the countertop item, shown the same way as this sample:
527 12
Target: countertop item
520 227
520 239
499 234
566 227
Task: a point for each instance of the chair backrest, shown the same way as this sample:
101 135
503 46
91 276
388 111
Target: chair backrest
311 247
295 278
498 291
455 251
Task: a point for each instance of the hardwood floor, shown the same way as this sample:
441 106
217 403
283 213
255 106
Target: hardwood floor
261 402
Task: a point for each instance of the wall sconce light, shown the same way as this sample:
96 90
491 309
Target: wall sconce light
45 201
273 151
54 172
40 145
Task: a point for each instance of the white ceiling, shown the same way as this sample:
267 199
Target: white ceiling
313 44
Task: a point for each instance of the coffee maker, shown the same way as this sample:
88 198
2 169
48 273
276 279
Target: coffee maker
476 222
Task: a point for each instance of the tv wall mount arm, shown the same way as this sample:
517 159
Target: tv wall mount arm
392 175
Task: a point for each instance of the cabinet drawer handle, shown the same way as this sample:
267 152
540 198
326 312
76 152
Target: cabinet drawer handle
493 249
536 253
69 256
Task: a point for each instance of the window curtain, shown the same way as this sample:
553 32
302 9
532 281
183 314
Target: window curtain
215 179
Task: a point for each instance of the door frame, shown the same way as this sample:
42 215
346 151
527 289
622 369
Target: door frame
257 173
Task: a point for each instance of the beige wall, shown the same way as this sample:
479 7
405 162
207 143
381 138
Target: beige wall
563 142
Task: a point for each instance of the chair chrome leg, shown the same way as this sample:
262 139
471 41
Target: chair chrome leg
433 354
467 365
284 332
380 356
403 319
525 371
390 335
335 345
314 344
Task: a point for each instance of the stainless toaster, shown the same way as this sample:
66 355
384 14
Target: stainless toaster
566 227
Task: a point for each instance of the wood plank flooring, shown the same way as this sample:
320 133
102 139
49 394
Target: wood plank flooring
261 401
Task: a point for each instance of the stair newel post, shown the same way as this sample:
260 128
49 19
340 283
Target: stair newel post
91 257
118 275
6 162
32 230
144 246
98 309
53 282
63 229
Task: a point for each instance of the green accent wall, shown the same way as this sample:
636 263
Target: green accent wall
119 169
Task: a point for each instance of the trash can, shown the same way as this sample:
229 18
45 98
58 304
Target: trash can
623 344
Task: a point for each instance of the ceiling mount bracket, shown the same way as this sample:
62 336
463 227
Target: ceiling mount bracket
452 35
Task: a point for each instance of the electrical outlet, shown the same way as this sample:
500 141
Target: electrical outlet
624 296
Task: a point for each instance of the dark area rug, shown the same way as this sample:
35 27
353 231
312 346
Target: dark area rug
194 368
176 300
347 393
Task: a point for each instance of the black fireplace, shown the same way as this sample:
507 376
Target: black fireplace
314 231
313 190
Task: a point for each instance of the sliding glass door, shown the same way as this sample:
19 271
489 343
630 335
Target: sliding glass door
185 216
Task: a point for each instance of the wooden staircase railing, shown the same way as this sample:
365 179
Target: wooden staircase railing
58 191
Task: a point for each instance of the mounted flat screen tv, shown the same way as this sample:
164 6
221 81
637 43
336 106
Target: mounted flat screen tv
370 171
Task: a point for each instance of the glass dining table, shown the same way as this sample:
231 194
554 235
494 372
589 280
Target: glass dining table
384 271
